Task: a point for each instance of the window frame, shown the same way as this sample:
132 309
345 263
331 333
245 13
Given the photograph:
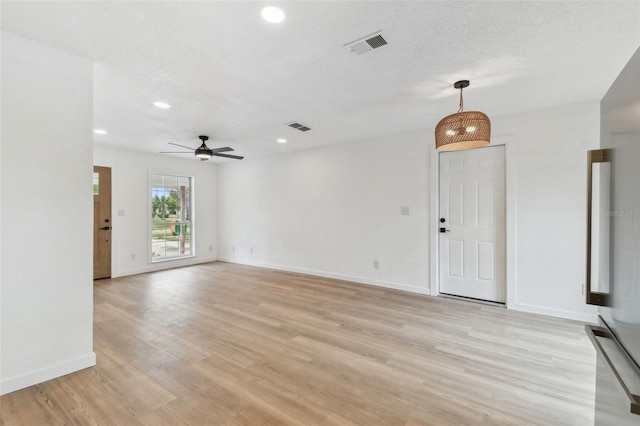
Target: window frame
191 223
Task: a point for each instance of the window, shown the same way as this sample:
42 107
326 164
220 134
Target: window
171 218
96 183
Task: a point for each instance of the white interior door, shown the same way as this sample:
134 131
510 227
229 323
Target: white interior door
472 214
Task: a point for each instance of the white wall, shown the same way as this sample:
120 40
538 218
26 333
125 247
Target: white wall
332 211
547 172
130 194
46 283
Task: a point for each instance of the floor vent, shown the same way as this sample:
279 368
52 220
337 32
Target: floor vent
299 126
366 44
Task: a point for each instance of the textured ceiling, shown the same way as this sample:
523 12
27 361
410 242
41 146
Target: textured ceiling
230 75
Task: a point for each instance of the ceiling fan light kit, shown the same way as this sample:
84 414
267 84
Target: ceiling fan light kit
464 129
203 152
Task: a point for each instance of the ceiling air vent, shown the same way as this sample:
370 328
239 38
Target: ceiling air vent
299 126
366 44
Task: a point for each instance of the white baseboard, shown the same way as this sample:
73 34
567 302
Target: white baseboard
324 274
559 313
160 266
40 375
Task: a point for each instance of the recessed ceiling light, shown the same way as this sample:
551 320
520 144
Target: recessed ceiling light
272 14
162 105
282 140
100 131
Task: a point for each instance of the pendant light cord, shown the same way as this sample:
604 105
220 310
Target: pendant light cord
461 102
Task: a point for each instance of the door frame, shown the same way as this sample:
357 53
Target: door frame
507 141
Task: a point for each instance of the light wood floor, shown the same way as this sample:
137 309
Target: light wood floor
224 344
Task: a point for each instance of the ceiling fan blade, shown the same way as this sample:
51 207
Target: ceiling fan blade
225 149
236 157
174 152
192 149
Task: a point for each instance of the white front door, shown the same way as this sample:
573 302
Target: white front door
472 216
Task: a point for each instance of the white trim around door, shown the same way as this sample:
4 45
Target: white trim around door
434 225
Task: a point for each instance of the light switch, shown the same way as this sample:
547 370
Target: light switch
404 210
120 212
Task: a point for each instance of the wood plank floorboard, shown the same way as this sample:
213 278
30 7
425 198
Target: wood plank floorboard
225 344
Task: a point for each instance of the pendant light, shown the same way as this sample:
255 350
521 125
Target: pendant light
464 129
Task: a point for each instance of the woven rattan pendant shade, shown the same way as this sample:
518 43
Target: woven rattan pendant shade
464 129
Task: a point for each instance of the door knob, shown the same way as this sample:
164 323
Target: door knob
106 228
443 230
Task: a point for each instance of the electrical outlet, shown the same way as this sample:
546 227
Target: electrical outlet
583 289
210 248
233 249
376 265
133 256
405 210
250 249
